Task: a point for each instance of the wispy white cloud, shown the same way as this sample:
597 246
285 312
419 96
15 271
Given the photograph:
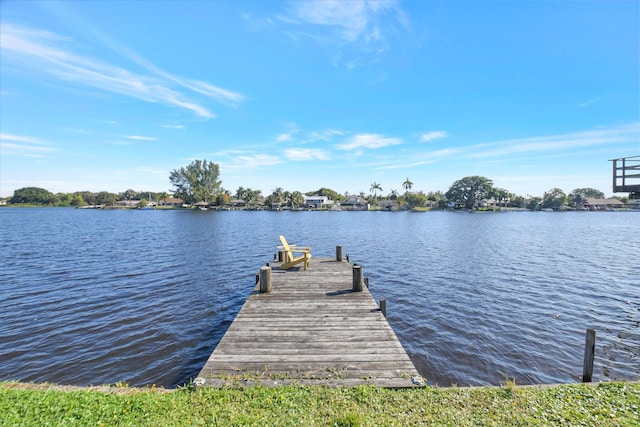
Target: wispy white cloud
299 154
50 54
284 137
430 136
23 146
323 135
290 134
592 101
419 159
172 126
250 162
366 27
368 140
141 138
553 143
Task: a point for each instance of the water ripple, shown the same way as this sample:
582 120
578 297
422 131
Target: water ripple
92 297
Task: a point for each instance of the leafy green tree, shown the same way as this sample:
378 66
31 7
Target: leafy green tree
416 200
516 201
196 182
64 199
407 185
578 197
469 189
554 198
77 200
534 203
222 199
88 196
106 198
34 195
438 197
129 195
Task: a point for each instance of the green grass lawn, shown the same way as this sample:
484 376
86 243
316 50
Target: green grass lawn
603 404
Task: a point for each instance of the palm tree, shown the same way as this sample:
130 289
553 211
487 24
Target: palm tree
393 195
407 185
252 196
241 193
374 189
278 195
295 199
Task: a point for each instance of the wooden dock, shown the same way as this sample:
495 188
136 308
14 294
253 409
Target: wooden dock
312 328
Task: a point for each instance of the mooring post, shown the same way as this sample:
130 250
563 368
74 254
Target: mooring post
339 253
366 282
383 307
265 280
280 256
357 278
589 353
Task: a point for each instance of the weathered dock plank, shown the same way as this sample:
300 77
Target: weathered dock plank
310 329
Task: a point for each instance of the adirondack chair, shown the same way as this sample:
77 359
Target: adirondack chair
290 260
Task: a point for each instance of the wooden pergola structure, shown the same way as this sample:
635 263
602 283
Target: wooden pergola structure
626 176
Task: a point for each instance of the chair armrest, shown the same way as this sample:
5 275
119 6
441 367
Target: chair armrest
300 249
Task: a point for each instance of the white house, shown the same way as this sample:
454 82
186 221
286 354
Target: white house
316 201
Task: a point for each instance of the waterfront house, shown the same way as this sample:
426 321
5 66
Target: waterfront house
316 201
171 201
386 204
355 203
128 203
602 204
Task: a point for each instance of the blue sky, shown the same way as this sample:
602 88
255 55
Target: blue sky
106 96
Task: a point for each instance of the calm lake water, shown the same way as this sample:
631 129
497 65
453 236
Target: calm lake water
97 297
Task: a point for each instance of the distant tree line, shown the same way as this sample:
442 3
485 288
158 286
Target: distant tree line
40 196
199 182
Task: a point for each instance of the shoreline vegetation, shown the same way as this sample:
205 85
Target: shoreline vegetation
602 404
624 208
197 186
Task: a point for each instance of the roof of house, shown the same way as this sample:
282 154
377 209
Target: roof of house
592 201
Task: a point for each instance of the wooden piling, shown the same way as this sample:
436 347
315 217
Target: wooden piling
339 253
383 307
265 279
357 278
589 354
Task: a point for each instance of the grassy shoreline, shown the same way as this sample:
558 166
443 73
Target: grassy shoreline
600 404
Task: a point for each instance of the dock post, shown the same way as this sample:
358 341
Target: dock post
589 353
339 253
366 282
383 307
357 278
265 279
280 256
